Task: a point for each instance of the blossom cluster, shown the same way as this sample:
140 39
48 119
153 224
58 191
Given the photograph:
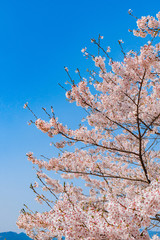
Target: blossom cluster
148 25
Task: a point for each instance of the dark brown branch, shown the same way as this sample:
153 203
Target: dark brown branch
107 176
148 127
101 146
139 132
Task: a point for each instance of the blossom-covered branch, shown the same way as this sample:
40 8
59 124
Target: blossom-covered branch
114 152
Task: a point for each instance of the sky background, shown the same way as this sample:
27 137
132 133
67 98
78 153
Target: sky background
37 39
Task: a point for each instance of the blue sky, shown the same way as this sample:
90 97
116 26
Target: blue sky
38 38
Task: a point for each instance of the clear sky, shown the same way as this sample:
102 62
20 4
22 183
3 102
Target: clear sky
37 39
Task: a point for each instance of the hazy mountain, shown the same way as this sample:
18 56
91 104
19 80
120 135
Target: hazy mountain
13 236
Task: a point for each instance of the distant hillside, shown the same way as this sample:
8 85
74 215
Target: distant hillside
13 236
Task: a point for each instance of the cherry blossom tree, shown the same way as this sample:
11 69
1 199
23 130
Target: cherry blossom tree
115 151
